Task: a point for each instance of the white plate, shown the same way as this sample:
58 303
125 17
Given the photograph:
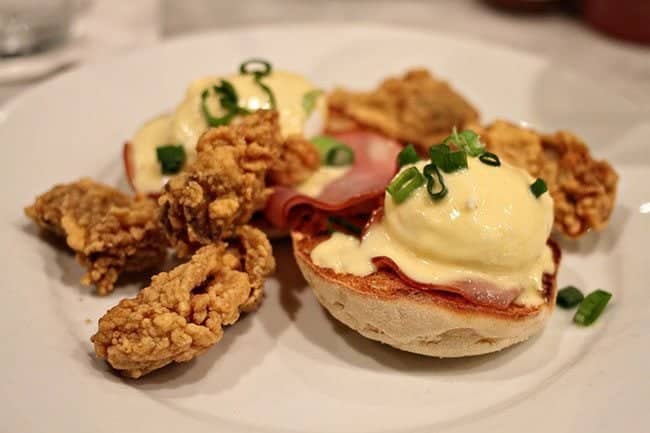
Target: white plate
289 367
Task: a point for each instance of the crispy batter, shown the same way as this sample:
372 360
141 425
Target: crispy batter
416 108
298 159
224 186
109 231
583 189
182 313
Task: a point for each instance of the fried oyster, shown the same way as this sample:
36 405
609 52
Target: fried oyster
297 159
182 312
415 108
224 185
109 231
583 189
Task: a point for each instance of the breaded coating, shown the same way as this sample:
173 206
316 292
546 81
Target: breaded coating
583 189
109 231
415 108
297 160
224 185
182 312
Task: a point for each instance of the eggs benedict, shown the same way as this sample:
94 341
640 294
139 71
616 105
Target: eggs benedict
163 145
456 262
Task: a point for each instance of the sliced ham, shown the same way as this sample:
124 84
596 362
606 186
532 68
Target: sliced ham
356 192
478 292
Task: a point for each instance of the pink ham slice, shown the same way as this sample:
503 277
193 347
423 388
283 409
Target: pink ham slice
374 167
478 292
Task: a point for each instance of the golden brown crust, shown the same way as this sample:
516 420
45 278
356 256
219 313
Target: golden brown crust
583 189
415 108
388 286
109 231
182 312
297 160
224 186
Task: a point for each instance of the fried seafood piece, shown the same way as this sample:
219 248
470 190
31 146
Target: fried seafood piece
583 189
109 231
183 312
224 185
415 108
298 159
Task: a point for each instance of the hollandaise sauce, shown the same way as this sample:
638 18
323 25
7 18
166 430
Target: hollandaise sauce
488 226
284 91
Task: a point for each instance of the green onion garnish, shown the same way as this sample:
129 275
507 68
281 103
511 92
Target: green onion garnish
209 118
538 187
467 141
229 101
171 158
309 100
429 171
569 297
325 144
339 155
404 184
591 307
447 160
489 158
439 153
334 221
408 155
252 67
455 161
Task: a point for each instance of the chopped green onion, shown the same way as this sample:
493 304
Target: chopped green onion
569 297
489 158
309 100
455 161
438 153
246 69
429 171
538 187
324 144
404 184
467 141
334 221
257 73
591 307
268 92
171 158
446 160
339 155
209 118
229 101
408 155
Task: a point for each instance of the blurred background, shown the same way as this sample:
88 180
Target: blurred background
605 40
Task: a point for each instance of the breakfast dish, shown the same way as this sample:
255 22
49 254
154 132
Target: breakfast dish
318 373
446 256
456 261
110 232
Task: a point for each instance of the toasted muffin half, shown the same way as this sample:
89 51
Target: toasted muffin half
382 307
